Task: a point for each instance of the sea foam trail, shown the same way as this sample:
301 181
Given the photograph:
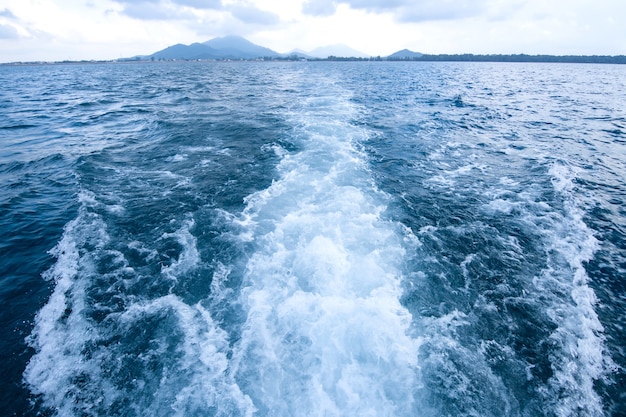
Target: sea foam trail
128 329
584 358
137 356
325 333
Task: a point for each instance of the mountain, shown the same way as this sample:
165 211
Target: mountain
180 51
405 54
236 47
338 50
299 53
227 47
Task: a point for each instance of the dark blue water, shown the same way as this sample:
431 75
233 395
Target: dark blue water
313 239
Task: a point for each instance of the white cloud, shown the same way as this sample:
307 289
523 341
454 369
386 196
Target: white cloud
7 13
253 15
105 29
430 10
319 7
152 11
9 28
197 4
200 4
403 10
166 9
8 32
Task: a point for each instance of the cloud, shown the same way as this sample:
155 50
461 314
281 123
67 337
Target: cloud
7 13
8 32
147 11
405 10
165 9
9 24
196 4
320 8
253 15
145 3
441 10
381 5
200 4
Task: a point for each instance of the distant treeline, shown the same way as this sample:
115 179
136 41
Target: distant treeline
590 59
586 59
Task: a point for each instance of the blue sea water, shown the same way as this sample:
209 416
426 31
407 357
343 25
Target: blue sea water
313 239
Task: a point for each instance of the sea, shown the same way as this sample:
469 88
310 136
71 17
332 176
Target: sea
313 239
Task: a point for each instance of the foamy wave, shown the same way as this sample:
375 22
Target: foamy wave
113 351
325 332
583 357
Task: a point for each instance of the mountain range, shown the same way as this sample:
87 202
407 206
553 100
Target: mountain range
228 47
236 47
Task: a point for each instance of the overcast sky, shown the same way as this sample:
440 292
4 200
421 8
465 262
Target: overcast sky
33 30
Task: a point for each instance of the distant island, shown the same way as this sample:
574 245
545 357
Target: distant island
237 48
573 59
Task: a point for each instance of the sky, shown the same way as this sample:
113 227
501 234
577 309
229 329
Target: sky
55 30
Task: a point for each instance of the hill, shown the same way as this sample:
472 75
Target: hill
180 51
405 54
227 47
236 47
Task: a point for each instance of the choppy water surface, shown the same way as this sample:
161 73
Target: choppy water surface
313 239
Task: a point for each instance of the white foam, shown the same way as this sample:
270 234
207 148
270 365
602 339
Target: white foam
325 332
60 330
502 206
178 360
583 358
179 157
561 291
189 257
199 379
